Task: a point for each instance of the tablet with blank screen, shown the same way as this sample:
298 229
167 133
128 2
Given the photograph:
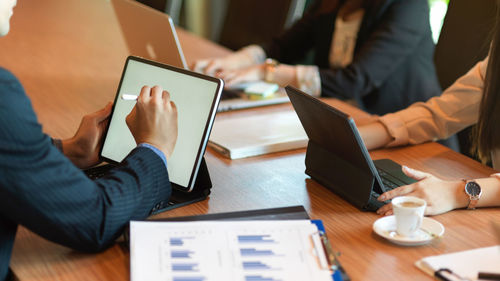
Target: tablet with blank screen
196 97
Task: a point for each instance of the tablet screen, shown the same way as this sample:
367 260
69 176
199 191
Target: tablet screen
196 97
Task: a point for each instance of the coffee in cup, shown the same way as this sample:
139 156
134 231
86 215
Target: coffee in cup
411 204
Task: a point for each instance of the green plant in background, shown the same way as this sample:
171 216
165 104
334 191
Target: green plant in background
437 12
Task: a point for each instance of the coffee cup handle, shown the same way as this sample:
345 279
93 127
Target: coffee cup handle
419 222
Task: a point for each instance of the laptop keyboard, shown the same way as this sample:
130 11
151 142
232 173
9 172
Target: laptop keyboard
389 181
388 184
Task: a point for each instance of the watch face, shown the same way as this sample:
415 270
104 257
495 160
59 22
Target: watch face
472 188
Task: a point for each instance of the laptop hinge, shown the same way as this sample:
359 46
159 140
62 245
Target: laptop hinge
338 175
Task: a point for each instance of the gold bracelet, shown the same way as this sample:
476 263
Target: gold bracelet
270 69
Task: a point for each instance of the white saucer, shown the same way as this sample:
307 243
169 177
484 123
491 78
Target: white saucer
430 230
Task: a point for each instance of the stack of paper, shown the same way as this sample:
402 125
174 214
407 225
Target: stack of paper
227 250
247 136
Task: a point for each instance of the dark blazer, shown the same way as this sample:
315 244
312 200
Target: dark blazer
42 190
393 60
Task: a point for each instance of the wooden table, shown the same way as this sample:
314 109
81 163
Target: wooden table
69 55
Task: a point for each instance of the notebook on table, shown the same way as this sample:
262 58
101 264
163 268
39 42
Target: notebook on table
464 264
337 158
245 136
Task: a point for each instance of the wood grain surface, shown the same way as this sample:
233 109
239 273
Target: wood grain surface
69 56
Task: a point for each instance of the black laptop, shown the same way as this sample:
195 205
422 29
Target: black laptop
337 157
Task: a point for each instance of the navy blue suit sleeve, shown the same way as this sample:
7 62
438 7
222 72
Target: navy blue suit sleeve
391 43
42 190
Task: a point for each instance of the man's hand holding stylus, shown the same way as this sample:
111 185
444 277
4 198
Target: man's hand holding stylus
153 119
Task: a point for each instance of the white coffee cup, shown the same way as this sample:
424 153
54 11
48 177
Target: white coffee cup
409 212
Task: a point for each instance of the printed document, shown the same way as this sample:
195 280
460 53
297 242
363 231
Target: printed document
227 250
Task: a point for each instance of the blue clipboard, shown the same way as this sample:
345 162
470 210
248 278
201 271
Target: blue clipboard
339 273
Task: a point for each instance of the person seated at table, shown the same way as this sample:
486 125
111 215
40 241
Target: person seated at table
472 99
377 53
42 187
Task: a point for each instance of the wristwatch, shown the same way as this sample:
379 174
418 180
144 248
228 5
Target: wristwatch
473 189
270 67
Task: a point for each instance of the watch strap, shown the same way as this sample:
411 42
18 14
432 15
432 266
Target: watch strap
472 202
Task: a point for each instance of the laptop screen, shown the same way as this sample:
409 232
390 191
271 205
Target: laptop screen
196 97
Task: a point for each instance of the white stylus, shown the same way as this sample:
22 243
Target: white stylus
129 97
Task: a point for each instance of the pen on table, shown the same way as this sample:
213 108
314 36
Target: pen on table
129 97
488 276
445 274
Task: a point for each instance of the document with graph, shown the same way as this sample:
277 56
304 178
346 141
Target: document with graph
227 250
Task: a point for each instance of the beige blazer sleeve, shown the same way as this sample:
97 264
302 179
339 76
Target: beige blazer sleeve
442 116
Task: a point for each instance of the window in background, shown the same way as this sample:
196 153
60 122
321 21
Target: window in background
438 10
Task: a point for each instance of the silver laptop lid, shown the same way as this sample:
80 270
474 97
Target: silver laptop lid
149 33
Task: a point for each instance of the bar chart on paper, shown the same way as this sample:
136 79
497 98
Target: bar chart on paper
205 251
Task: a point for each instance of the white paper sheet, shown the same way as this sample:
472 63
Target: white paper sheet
466 264
246 251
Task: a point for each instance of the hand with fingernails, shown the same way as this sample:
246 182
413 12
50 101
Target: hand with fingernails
441 195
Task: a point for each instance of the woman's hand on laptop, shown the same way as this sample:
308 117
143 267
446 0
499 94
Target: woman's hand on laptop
213 66
153 119
83 148
282 75
441 196
234 77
